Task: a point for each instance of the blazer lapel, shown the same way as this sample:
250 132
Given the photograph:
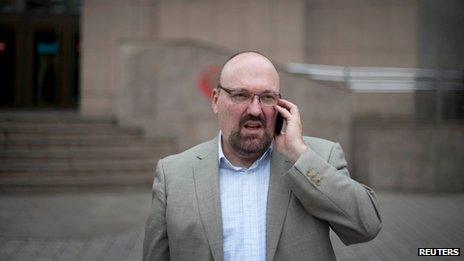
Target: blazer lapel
278 199
206 178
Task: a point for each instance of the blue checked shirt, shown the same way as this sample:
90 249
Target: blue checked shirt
243 195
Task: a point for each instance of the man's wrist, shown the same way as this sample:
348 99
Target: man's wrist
297 152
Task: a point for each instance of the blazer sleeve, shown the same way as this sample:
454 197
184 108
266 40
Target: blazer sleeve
155 244
326 191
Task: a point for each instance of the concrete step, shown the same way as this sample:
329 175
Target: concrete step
79 165
76 160
22 137
98 153
104 141
52 116
64 149
47 182
8 129
74 173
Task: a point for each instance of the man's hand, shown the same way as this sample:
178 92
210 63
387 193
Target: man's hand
290 143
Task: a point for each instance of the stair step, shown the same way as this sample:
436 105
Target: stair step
84 153
75 160
68 129
102 165
109 141
56 149
52 116
24 137
75 173
79 180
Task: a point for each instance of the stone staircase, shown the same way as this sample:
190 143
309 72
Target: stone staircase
63 150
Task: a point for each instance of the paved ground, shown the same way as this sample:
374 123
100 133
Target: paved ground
109 226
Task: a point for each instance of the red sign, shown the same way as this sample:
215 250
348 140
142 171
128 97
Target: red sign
208 80
2 46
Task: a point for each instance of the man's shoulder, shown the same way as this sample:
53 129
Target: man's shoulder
192 153
320 146
318 141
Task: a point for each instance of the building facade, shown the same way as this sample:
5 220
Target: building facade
141 63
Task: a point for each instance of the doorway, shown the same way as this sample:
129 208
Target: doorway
39 60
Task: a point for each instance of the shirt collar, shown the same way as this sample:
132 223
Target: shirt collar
223 158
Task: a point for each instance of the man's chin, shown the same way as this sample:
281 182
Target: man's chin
254 144
252 132
250 142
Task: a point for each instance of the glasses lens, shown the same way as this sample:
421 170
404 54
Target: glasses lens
241 97
268 99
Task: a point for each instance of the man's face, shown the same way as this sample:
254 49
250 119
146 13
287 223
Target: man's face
247 128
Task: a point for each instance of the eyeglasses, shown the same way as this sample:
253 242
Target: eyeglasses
245 97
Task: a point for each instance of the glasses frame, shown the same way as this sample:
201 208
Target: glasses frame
229 91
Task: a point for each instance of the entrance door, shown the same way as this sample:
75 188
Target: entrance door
47 67
7 65
39 58
55 56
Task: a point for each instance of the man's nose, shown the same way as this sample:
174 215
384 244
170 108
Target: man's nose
255 107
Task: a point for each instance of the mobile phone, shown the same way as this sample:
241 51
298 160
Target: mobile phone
279 124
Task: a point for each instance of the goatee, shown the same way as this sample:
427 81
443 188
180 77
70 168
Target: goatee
250 145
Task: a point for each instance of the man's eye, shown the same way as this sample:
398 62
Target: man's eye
267 98
241 95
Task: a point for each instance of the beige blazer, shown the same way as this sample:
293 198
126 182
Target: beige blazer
304 201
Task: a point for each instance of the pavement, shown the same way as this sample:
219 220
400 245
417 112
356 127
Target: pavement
109 226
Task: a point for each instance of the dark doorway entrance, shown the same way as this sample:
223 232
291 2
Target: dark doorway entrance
39 55
7 65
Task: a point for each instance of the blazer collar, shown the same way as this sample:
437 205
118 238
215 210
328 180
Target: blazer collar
277 202
206 179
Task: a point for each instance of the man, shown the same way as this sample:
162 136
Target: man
250 194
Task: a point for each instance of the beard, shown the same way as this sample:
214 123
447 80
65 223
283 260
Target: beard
250 145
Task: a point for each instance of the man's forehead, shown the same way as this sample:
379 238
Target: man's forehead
248 59
248 64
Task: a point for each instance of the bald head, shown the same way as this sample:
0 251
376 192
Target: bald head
248 65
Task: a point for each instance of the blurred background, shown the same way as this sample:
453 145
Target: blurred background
93 93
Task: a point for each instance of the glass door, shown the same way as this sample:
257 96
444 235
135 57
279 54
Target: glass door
47 68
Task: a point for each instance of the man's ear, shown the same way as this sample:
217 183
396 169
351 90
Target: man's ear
214 100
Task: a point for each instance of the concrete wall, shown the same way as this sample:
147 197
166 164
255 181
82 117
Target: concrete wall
440 46
104 24
275 27
398 33
158 90
141 61
381 105
440 39
362 32
409 156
